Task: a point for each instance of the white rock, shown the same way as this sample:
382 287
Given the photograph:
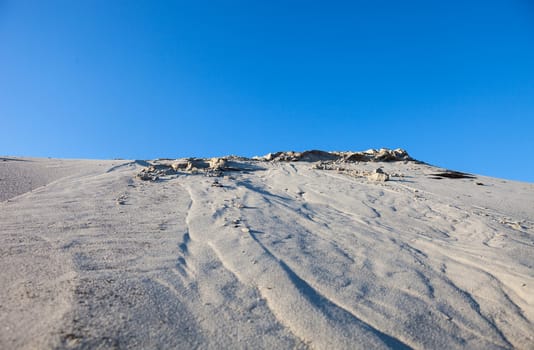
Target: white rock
378 177
217 163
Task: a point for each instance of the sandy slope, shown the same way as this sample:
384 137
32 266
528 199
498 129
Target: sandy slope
21 175
282 255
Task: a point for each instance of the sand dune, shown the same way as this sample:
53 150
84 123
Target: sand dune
291 250
21 175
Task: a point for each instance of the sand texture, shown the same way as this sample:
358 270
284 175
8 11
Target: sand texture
365 250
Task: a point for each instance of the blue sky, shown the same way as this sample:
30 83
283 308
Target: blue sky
450 81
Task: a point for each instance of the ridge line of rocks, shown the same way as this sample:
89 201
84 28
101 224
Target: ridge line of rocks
323 160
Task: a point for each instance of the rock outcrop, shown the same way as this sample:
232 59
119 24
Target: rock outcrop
372 155
322 160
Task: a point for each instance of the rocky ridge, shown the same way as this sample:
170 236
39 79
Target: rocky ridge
321 160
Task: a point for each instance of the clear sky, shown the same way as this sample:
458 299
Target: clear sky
450 81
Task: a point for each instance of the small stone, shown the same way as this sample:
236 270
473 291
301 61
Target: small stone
378 176
144 176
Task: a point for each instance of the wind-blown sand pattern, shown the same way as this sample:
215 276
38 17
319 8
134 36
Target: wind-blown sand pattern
339 250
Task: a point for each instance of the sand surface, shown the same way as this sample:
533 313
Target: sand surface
262 254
